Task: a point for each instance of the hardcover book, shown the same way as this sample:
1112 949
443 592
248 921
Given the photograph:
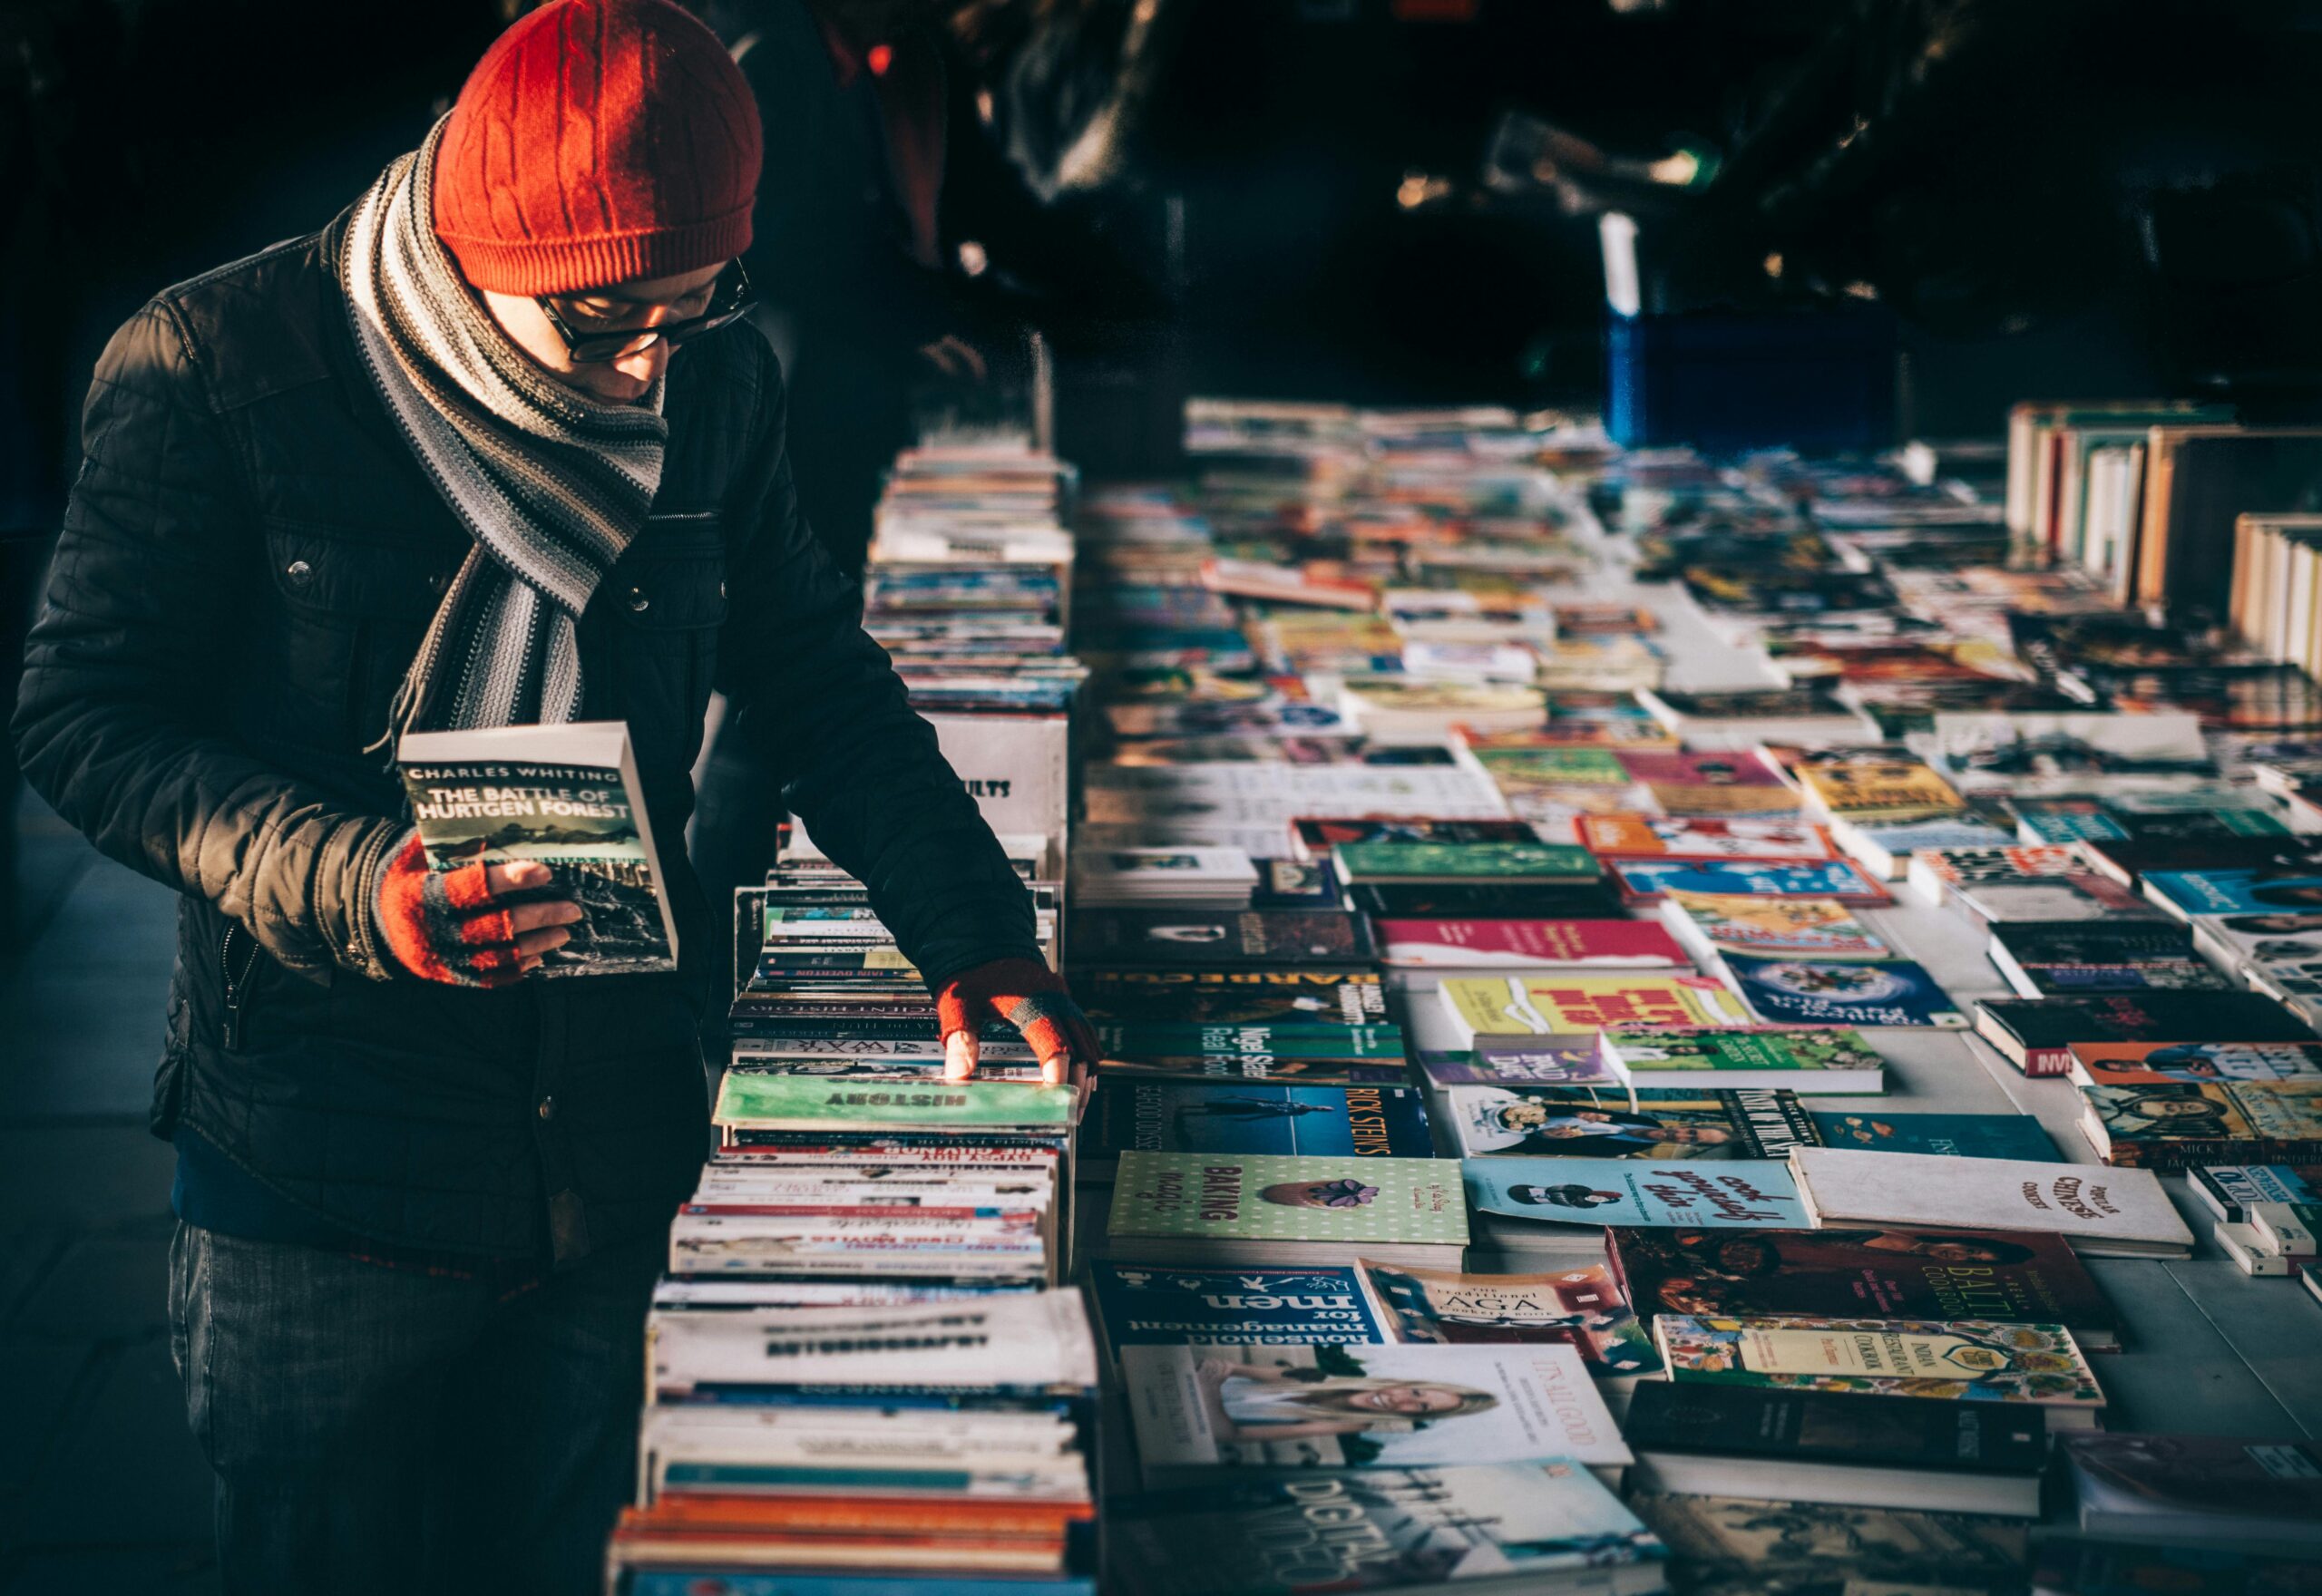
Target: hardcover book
1649 880
1506 1530
1745 1194
1475 944
1583 1122
1809 1061
1780 928
1951 1360
2230 1189
1392 1406
1322 1209
1955 1135
566 797
1580 1307
1222 940
1803 992
1805 1427
2104 1212
2020 1276
1200 1117
2260 1497
1171 1305
2037 1033
1551 1005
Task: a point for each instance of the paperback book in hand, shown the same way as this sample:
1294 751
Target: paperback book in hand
566 797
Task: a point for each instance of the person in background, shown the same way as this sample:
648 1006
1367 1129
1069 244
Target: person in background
488 449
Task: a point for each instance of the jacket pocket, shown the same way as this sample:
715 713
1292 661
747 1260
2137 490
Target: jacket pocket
666 603
351 612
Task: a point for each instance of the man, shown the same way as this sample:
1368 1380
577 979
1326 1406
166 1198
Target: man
484 450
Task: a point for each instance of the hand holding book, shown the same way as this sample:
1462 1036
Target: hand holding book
1028 994
464 927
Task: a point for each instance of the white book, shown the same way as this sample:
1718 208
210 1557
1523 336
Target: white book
2104 1212
1034 1339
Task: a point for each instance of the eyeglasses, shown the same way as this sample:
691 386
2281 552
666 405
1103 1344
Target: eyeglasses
730 300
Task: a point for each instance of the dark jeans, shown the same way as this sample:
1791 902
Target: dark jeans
397 1429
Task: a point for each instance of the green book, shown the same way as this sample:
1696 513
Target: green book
748 1102
1721 1057
1522 862
1220 1208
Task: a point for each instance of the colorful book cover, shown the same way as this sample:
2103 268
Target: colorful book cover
1390 1405
1743 1195
1705 1053
1800 992
2236 891
1594 1121
768 1102
1550 1005
1891 789
1413 1200
2229 1188
1387 1071
1154 1043
2141 1064
1952 865
1170 1306
1197 1116
1283 999
1666 836
2064 820
1649 879
1782 928
1521 1061
1519 861
1581 1308
1954 1361
1472 944
1955 1136
1389 1529
2176 1123
2005 1275
1319 836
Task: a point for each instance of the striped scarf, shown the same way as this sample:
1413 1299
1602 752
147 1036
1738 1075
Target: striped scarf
550 483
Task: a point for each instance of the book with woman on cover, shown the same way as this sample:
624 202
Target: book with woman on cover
566 797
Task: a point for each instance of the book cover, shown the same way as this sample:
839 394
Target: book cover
1580 1307
1390 1530
2285 890
1169 1045
1278 1199
1390 1405
1803 992
1955 1136
1662 836
2038 1033
1746 1194
1650 878
1552 1004
1521 1061
1553 862
1704 1058
1781 928
1171 1306
1219 941
2105 1212
1824 1427
2229 1188
1877 789
1283 999
2093 942
2257 1496
1472 944
2138 1064
2018 1276
1485 901
1233 1065
1952 1360
2176 1123
1200 1117
1584 1122
566 797
1822 1547
769 1102
1318 837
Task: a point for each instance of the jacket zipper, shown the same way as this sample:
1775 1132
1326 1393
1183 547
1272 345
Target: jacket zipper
237 986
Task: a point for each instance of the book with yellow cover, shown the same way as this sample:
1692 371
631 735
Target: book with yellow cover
1543 1003
1862 788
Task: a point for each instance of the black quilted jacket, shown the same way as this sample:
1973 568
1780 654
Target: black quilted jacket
249 558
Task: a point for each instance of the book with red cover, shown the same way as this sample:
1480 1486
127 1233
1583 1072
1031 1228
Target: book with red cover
2012 1277
1539 944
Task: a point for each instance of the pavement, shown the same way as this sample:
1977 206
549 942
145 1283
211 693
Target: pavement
101 1488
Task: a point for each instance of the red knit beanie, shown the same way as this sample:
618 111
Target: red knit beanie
597 141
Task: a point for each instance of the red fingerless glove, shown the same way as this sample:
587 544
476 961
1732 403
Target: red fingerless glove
443 925
1028 994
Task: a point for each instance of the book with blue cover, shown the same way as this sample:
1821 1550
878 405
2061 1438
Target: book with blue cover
1168 1305
2235 891
1960 1135
1645 878
1747 1193
1199 1117
1827 992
